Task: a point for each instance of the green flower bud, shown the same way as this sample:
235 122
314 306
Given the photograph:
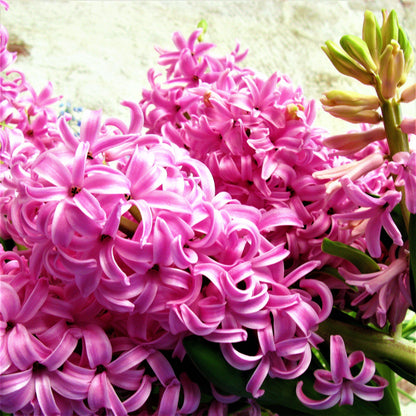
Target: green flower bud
202 24
390 28
409 56
346 65
371 34
350 98
358 50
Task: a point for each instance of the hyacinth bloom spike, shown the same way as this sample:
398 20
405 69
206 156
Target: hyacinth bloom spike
339 384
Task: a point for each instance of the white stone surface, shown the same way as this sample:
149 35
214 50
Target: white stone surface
97 53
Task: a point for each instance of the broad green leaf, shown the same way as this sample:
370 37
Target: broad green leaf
390 404
363 262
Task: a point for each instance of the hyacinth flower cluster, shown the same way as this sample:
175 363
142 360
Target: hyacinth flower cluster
123 249
191 260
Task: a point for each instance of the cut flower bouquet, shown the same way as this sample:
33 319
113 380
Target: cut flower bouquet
218 254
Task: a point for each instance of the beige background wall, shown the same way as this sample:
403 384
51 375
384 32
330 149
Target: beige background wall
97 53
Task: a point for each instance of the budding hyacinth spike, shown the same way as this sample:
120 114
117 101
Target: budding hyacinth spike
358 50
351 98
371 35
408 94
390 28
346 65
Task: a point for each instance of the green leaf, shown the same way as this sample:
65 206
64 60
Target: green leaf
409 376
363 262
389 405
208 359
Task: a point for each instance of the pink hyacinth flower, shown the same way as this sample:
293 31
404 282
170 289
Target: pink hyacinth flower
6 57
384 295
405 168
339 384
376 211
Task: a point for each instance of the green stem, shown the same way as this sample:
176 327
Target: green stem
378 346
397 141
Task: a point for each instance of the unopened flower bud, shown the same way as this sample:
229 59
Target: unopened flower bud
358 50
354 114
351 98
408 126
390 28
409 57
350 143
391 69
346 65
371 34
202 24
408 94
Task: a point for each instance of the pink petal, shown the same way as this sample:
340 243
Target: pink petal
24 348
371 393
90 126
139 398
88 204
109 265
340 368
78 166
50 168
9 302
191 395
168 404
258 377
326 403
44 395
16 399
15 381
34 301
128 360
62 351
97 345
72 386
47 193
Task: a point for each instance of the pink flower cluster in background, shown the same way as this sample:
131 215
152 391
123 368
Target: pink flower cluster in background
204 215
